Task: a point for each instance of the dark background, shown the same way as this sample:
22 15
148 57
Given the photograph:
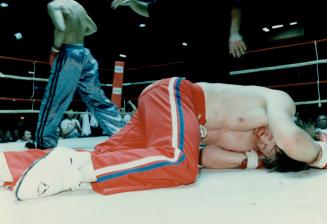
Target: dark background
155 52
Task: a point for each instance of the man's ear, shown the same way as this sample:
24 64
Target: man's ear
259 131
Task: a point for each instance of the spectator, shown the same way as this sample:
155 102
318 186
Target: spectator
70 127
2 136
127 115
7 137
16 135
321 128
26 137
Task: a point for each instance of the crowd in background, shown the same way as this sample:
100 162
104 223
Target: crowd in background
73 125
15 135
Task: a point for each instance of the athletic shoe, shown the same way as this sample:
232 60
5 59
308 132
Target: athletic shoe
32 145
56 172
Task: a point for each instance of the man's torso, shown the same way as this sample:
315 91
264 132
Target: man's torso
233 113
76 21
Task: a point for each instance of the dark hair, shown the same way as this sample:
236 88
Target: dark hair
308 126
283 163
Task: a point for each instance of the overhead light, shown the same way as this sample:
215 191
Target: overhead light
184 44
18 36
277 26
293 23
122 55
4 5
265 29
142 25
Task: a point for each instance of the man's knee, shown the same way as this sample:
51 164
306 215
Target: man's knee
190 175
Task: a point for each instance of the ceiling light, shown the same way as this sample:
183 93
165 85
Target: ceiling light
277 26
265 29
4 5
18 36
293 23
184 44
142 25
122 55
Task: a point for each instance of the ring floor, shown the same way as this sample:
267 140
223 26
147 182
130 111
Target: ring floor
218 196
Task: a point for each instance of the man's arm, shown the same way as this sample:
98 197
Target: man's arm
91 27
293 140
214 157
237 46
139 7
64 128
78 126
55 12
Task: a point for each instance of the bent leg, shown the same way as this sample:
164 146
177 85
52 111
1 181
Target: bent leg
169 154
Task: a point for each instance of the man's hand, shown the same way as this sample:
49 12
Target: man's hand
237 47
116 3
53 53
321 160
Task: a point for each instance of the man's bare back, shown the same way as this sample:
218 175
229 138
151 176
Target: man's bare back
71 22
233 112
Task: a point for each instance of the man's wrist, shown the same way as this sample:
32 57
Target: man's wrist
55 49
321 160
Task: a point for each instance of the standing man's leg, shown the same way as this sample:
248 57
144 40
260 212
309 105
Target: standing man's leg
89 89
63 81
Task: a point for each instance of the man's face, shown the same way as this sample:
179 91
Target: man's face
322 122
266 143
27 135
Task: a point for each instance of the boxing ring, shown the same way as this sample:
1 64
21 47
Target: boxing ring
218 196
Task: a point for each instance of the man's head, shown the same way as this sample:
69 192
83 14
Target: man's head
27 135
322 122
266 143
275 158
70 114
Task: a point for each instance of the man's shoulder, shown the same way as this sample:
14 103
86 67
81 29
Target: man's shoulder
65 122
54 5
59 4
279 94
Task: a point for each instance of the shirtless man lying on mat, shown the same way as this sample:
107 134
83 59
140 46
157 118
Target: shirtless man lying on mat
239 126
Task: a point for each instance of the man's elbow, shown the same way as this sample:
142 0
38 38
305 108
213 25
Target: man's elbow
292 143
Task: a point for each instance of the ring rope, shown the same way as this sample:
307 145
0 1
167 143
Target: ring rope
36 112
311 102
279 67
271 86
254 70
6 76
318 75
286 46
80 112
33 86
102 69
24 60
296 84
